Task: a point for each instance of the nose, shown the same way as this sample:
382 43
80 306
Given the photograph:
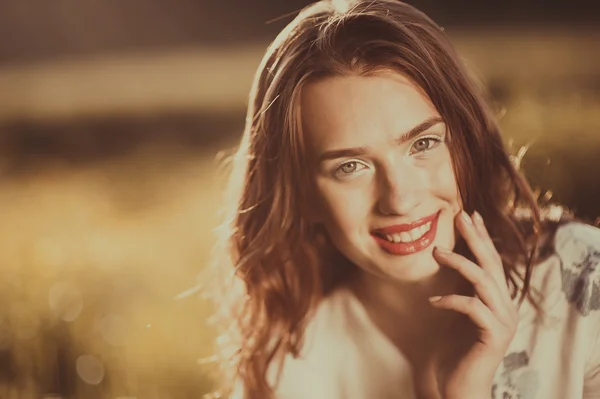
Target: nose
398 190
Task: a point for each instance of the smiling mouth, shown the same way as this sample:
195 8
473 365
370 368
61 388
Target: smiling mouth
409 238
406 236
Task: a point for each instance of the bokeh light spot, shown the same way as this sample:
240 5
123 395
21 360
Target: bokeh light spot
65 301
90 369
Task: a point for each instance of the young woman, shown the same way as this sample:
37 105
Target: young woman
385 245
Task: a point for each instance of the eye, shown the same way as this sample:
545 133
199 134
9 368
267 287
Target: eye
425 143
348 168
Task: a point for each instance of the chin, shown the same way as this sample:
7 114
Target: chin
419 267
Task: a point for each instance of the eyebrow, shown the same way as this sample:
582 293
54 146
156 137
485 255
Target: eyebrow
358 151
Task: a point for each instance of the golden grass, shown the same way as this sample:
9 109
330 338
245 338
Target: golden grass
93 260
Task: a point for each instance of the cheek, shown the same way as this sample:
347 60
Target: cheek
342 207
443 179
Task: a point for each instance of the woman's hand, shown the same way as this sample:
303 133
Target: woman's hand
468 359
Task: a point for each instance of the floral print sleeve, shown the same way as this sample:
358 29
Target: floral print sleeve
556 351
578 249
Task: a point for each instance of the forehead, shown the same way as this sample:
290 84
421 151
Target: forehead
356 110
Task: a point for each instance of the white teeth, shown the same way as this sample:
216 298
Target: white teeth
409 236
425 228
415 234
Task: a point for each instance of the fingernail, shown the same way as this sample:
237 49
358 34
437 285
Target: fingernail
466 217
434 298
443 251
477 217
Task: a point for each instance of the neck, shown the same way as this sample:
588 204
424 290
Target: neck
407 303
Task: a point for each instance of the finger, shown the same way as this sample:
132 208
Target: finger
485 286
485 235
481 229
486 257
476 310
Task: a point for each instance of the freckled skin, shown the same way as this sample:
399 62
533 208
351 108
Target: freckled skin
391 182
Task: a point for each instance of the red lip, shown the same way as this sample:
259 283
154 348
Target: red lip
399 228
403 248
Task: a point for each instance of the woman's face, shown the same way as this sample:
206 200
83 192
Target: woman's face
387 194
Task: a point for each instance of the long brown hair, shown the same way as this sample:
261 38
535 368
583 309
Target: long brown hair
277 258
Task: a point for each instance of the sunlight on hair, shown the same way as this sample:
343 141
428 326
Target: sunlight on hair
341 5
518 159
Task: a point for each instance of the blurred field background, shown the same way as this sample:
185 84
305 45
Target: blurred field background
112 116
